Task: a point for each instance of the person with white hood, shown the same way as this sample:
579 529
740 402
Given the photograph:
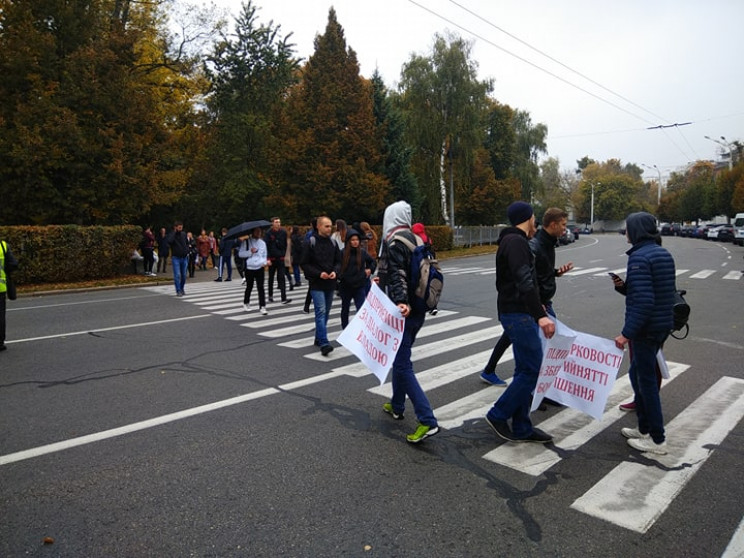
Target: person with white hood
393 276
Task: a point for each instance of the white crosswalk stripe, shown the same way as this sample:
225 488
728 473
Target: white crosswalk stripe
633 495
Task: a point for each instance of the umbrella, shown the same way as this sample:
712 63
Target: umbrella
246 227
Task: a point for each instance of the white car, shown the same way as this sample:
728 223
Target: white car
713 231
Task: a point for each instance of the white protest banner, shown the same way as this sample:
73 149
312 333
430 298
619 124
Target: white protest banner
588 373
555 352
374 333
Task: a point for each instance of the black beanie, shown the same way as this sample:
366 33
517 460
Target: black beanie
519 212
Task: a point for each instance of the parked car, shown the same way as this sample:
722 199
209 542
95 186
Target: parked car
726 233
712 233
687 231
670 229
566 238
739 229
575 230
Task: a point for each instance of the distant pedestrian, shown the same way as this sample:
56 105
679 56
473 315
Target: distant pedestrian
163 250
214 249
276 248
203 248
193 253
296 239
148 249
253 253
356 267
225 250
8 264
178 243
339 236
369 238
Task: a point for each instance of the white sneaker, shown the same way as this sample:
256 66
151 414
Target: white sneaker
647 445
153 274
263 310
633 434
243 281
247 307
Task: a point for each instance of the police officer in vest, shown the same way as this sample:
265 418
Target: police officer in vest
7 264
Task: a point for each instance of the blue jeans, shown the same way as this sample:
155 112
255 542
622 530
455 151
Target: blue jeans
357 294
322 301
226 261
504 343
404 379
642 374
179 265
515 402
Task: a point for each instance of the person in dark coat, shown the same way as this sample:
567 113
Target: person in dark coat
356 267
649 297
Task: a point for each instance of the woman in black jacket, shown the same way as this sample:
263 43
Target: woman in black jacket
356 267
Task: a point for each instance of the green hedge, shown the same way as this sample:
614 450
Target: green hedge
69 253
440 236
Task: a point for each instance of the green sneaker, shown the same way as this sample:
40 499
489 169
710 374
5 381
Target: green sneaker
388 408
422 433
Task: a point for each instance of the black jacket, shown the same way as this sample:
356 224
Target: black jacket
516 278
179 244
276 244
394 265
320 254
543 247
353 276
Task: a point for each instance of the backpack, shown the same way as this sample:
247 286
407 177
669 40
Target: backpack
426 278
681 312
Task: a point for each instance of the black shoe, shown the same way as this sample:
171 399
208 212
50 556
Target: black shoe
317 343
271 299
3 347
228 279
502 429
300 284
286 301
306 309
325 349
219 280
537 436
291 287
552 402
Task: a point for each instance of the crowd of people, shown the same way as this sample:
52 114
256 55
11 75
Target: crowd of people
337 259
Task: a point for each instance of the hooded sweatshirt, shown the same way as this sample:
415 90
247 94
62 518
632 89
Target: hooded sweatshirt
395 257
649 283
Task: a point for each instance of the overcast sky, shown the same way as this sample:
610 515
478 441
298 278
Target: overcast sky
669 61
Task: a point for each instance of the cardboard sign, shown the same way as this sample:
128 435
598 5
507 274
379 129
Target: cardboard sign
374 333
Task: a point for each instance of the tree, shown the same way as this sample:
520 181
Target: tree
444 103
617 192
530 143
332 151
251 72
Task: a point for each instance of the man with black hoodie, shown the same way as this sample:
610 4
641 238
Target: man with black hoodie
649 297
521 313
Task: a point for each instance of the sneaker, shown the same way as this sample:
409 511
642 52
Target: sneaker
242 281
228 279
434 312
153 274
271 299
647 445
422 433
286 301
326 349
298 284
388 408
263 310
218 280
306 309
502 429
627 407
633 434
179 293
492 379
247 307
537 436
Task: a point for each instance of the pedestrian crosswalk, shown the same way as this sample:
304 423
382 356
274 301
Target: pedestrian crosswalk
452 348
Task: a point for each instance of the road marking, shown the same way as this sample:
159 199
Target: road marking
570 429
679 272
735 275
114 432
88 331
635 494
703 274
579 271
615 271
735 548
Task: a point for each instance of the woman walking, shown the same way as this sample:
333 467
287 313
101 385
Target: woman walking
253 253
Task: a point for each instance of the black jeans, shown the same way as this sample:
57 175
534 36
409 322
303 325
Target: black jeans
277 268
257 276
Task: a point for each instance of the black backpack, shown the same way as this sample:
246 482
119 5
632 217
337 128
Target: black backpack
681 311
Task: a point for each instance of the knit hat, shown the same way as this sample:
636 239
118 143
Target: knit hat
519 212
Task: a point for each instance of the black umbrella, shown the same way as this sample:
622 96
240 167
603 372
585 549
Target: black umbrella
246 227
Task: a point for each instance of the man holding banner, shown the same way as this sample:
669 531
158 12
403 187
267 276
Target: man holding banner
393 271
522 315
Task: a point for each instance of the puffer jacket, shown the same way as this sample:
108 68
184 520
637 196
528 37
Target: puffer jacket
649 284
320 254
516 278
395 261
543 246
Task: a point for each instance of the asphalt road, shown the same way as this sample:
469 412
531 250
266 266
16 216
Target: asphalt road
134 423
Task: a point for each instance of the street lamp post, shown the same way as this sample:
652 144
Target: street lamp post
658 194
727 145
591 218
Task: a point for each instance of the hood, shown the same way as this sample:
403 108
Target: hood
640 226
352 232
418 228
397 216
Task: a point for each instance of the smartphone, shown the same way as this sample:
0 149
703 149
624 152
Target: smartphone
613 275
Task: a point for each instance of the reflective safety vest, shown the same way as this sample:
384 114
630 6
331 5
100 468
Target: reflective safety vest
3 249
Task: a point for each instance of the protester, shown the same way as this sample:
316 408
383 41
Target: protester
276 248
225 248
179 247
521 314
321 261
296 240
253 253
370 239
543 247
356 267
193 253
339 237
163 251
147 246
214 249
8 264
203 248
393 274
649 297
312 230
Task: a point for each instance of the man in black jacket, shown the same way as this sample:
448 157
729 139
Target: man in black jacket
321 262
276 250
179 248
521 313
543 247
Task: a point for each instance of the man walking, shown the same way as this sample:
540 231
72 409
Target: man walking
649 298
543 247
276 248
394 269
179 248
521 314
8 264
321 261
226 246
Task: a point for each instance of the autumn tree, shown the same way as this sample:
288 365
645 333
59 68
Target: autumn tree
530 143
85 134
617 190
332 153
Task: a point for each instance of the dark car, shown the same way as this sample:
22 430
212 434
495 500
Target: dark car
687 231
566 238
726 233
575 230
670 229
